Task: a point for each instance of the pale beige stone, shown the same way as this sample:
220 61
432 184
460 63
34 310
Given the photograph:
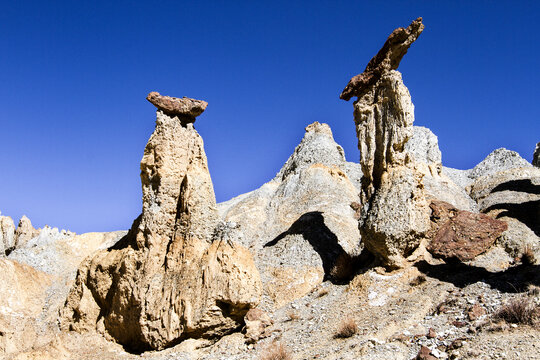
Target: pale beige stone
177 274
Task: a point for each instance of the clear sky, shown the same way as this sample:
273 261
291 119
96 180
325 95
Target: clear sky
75 74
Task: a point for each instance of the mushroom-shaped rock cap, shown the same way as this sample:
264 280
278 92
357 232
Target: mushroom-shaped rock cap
185 108
388 58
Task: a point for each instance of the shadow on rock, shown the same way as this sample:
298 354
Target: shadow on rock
523 185
527 212
512 280
337 264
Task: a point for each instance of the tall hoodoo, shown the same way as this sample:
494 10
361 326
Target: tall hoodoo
177 274
395 213
388 58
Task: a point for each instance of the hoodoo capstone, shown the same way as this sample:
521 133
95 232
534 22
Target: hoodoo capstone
186 109
178 272
388 58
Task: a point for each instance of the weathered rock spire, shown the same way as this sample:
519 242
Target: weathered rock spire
177 274
388 58
395 214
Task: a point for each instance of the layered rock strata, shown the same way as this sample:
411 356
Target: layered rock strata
177 273
395 213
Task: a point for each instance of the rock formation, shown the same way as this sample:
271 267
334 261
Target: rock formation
177 273
7 235
395 214
388 58
536 156
423 147
461 235
25 231
512 195
300 222
185 109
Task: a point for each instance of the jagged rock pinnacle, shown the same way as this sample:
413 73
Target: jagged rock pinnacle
186 109
388 58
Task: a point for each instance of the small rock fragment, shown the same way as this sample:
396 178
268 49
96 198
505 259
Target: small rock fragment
425 354
257 325
475 312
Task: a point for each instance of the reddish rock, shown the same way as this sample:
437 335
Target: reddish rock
186 109
475 312
388 58
425 354
431 333
462 235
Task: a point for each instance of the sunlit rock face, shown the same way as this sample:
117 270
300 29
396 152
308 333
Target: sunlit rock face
178 273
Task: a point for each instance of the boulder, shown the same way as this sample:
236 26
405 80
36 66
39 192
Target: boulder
300 222
461 235
7 234
536 156
177 274
258 324
25 231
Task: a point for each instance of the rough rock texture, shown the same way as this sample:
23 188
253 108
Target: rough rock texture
461 235
395 210
297 224
22 296
25 231
258 324
423 147
177 273
186 109
513 196
7 235
536 156
498 160
388 58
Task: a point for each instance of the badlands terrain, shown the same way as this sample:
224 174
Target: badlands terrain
392 257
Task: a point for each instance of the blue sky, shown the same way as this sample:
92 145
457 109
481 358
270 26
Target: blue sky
75 75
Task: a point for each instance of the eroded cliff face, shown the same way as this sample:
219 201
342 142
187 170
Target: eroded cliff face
177 273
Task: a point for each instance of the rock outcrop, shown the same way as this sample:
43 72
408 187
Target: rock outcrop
177 273
388 58
300 222
423 147
7 235
536 156
395 213
512 195
25 231
461 235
